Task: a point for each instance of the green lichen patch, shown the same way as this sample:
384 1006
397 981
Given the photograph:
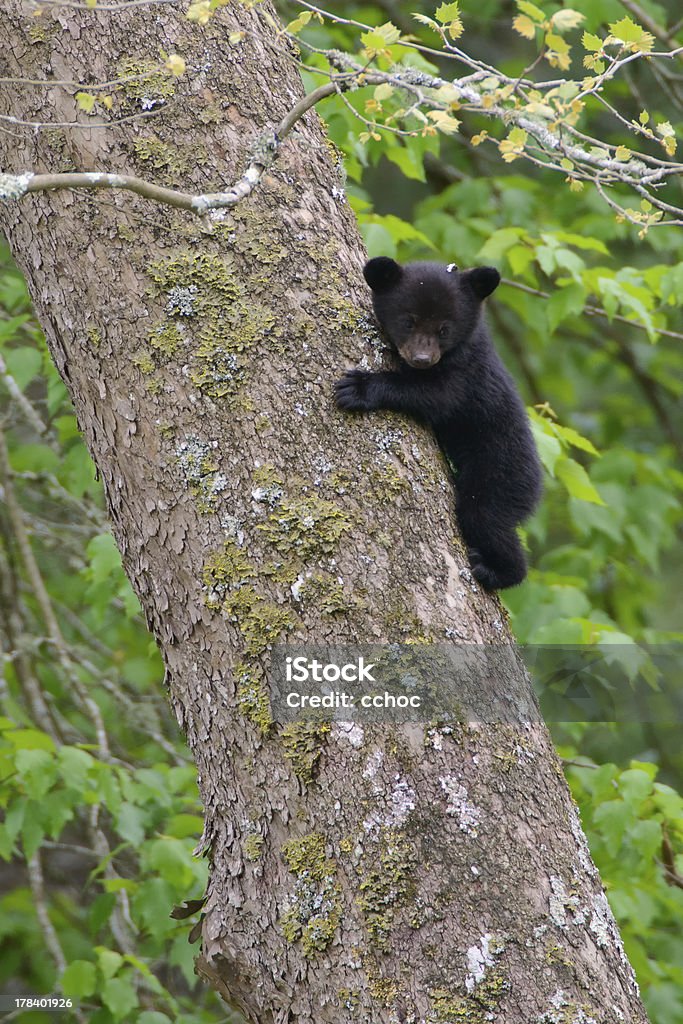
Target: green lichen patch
225 569
477 1007
149 80
307 527
565 1011
388 886
268 485
404 626
222 321
557 955
253 846
326 595
166 338
162 157
315 907
94 337
384 990
211 274
349 999
303 744
197 462
260 622
256 238
388 483
226 575
252 698
144 362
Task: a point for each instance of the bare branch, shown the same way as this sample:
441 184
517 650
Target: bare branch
263 153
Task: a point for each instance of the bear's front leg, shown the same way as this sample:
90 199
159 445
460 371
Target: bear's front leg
361 391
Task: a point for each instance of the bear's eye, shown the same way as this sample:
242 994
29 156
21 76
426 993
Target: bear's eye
408 321
443 330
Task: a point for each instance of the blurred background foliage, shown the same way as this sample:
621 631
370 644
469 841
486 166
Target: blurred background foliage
97 850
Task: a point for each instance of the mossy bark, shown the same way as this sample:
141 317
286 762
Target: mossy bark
387 874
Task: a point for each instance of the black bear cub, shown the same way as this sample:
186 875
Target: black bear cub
451 378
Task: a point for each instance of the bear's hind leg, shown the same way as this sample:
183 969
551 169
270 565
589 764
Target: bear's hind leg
495 551
498 569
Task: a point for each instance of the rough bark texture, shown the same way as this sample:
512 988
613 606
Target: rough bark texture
387 874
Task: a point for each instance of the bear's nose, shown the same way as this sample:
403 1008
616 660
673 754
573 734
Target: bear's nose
422 359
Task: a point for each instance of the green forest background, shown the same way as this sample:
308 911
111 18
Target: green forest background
588 320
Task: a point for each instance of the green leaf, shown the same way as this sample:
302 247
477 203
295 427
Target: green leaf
628 32
74 766
498 244
534 12
31 739
577 440
86 101
444 121
635 785
79 979
38 770
109 961
566 19
576 480
565 302
60 808
424 20
172 860
449 16
408 161
549 448
379 39
447 12
613 818
525 26
77 471
35 458
297 24
100 910
580 241
105 560
130 823
32 832
183 826
556 43
519 257
119 996
23 364
152 901
591 42
11 827
9 330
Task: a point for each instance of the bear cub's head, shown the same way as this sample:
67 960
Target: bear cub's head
427 309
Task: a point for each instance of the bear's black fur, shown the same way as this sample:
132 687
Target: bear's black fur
451 378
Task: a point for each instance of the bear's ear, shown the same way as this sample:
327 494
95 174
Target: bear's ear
382 273
482 280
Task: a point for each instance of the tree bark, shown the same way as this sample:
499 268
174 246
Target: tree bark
385 874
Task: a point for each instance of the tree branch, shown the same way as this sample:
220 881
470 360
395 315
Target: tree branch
13 186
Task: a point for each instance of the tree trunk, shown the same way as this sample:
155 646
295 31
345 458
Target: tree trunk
387 873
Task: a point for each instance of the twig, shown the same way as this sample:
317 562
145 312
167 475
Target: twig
30 414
